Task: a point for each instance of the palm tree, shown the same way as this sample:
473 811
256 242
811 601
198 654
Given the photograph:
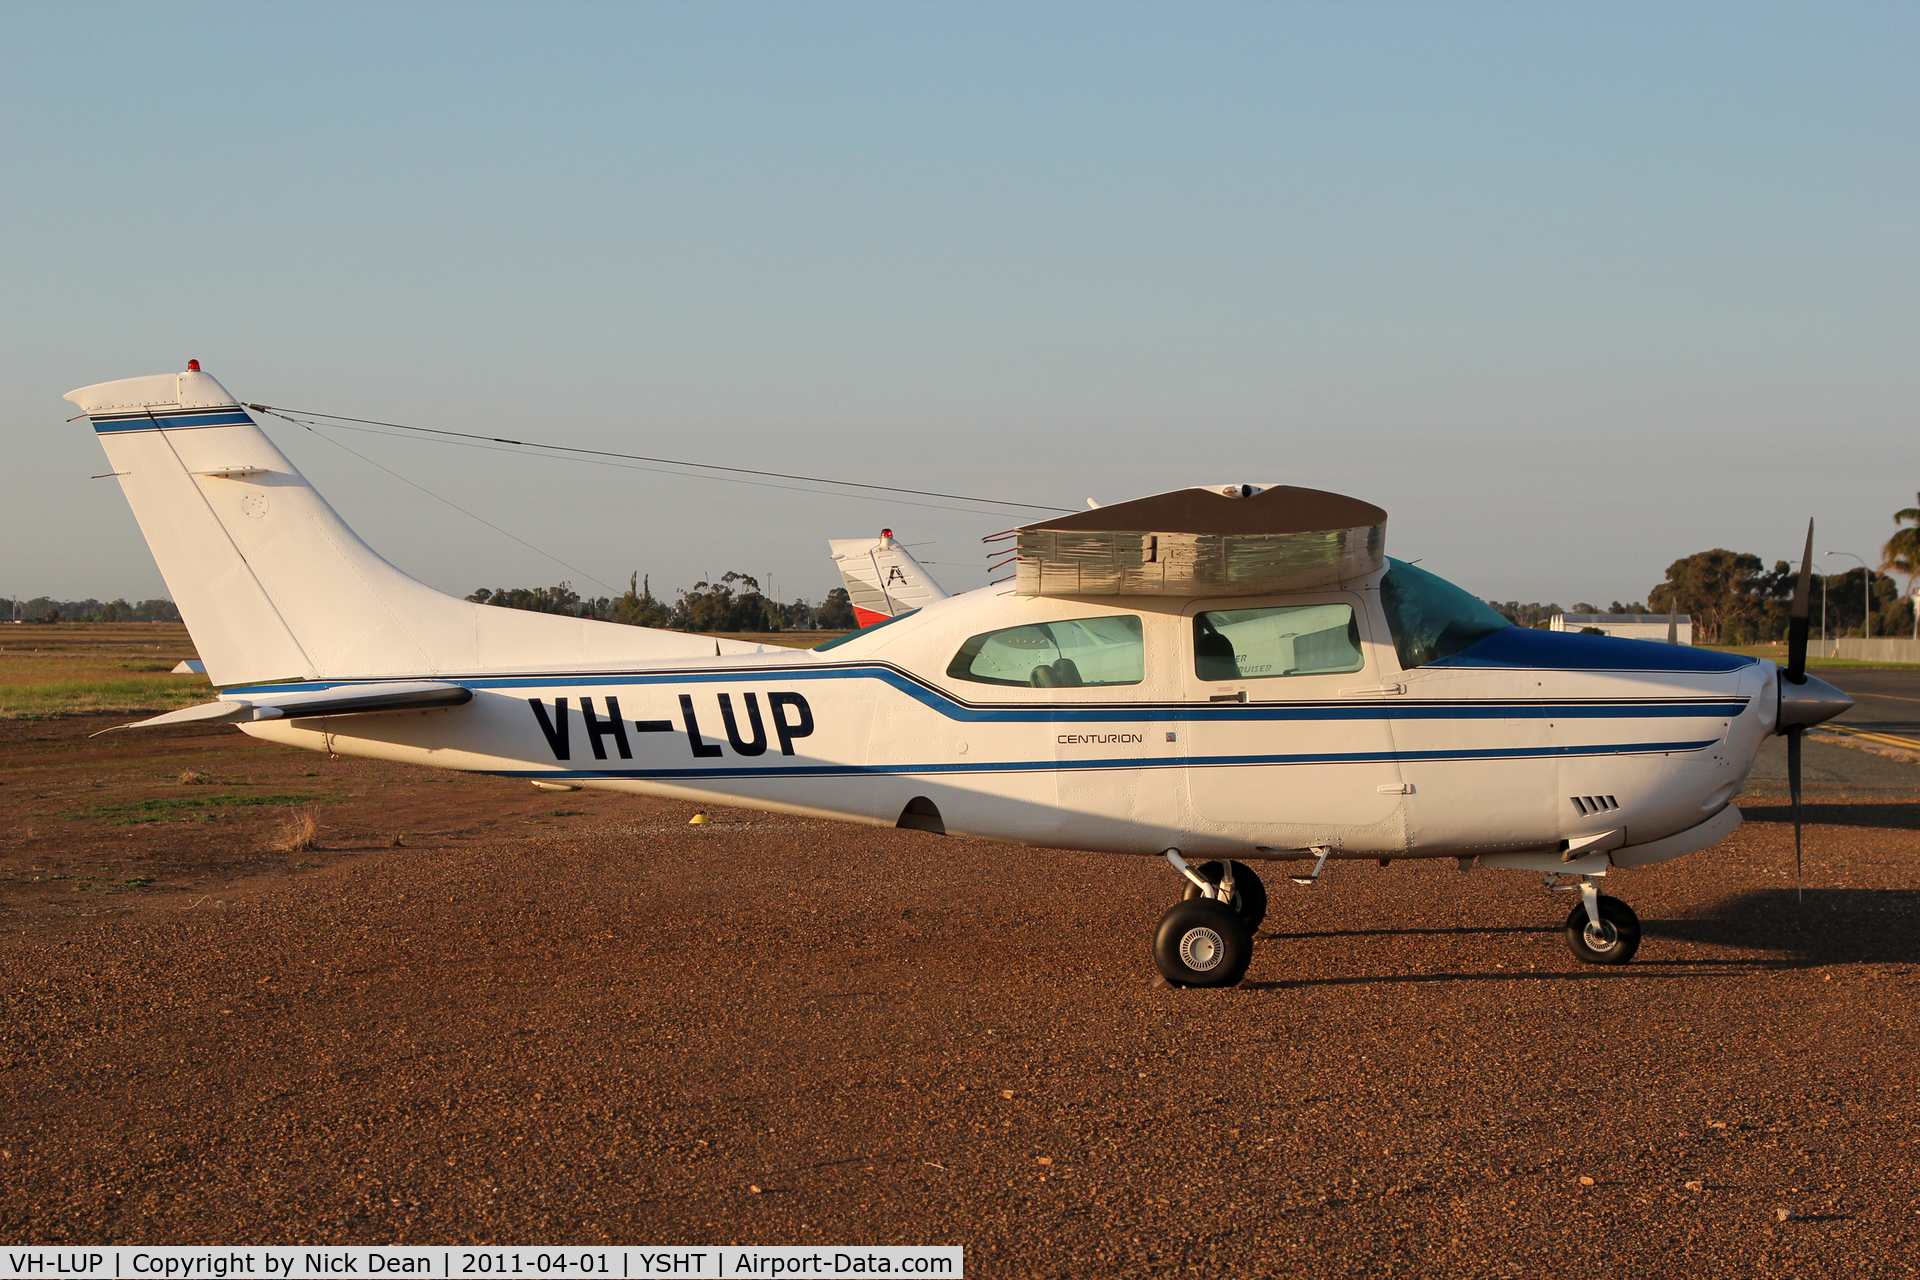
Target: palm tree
1902 555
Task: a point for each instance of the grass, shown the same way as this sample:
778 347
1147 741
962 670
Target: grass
177 808
1778 653
87 882
78 697
75 668
300 833
785 639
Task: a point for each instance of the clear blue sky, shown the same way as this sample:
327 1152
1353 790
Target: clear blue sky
1571 290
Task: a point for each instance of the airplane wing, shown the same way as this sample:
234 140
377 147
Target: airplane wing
340 700
883 579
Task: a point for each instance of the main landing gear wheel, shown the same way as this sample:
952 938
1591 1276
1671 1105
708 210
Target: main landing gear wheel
1612 941
1249 894
1202 943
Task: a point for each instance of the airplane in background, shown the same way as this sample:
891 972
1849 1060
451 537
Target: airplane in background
1214 677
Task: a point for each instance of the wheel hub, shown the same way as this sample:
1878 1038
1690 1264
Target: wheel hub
1601 935
1201 949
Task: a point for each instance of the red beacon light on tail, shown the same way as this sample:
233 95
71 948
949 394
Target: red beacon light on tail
193 366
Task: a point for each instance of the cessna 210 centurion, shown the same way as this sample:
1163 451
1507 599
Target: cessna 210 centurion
1214 677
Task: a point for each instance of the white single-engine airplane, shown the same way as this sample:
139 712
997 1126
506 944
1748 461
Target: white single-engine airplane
1231 674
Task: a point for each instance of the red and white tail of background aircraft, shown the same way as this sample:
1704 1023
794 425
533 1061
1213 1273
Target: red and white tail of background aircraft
1212 677
883 579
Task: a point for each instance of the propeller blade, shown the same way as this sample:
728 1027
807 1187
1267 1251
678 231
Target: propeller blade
1793 785
1797 617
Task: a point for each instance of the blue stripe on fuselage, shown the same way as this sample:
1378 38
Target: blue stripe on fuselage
1697 707
1076 766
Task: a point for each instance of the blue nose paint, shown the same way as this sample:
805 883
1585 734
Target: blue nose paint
1570 651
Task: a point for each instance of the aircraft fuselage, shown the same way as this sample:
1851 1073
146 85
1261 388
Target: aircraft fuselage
1526 740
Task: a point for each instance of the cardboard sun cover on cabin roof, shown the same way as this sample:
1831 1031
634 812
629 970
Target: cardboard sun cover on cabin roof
1204 542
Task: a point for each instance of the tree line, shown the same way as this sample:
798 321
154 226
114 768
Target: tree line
47 609
1735 600
731 602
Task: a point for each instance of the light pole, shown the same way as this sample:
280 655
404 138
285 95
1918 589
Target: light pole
1866 619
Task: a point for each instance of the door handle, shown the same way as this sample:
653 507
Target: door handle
1374 690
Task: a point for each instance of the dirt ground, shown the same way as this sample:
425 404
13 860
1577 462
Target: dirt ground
568 1018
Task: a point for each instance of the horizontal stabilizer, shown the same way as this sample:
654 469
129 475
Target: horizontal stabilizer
342 700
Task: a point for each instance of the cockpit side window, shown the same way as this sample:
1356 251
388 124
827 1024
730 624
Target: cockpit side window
1049 655
1429 617
1289 640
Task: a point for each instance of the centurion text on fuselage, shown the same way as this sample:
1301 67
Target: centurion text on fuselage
1230 674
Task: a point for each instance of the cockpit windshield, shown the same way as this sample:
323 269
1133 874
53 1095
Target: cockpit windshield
1429 617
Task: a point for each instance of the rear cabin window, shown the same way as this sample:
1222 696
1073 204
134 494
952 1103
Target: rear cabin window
1055 655
1291 640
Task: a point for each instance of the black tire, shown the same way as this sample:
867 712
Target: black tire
1249 891
1201 943
1620 929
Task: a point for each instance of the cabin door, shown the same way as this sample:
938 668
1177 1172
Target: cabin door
1289 723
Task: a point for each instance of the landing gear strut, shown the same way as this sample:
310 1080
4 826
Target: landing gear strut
1249 895
1206 939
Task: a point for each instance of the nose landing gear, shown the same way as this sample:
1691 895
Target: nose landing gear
1601 930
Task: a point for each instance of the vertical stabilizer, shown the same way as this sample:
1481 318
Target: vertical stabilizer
197 472
275 586
883 579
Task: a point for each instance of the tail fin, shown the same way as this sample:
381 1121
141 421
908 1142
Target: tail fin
273 584
883 579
